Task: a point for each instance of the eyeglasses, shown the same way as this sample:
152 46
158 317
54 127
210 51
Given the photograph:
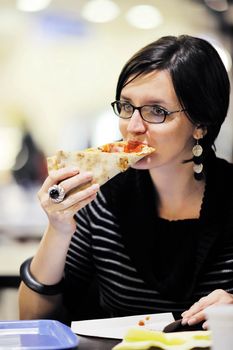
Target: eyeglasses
153 114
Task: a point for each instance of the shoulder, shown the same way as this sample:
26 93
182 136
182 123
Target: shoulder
219 169
224 172
222 181
228 166
220 175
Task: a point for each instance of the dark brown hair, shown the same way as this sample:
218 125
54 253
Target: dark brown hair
199 77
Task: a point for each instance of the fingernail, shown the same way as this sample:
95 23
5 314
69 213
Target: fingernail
184 321
88 174
95 186
75 170
192 321
183 314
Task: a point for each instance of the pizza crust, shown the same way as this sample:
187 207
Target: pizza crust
103 165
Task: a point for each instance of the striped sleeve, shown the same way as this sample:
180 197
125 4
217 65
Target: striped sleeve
79 263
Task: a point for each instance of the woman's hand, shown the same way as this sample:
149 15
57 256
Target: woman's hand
196 312
61 214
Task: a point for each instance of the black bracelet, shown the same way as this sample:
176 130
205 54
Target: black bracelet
33 284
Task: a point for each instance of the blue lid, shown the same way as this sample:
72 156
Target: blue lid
36 334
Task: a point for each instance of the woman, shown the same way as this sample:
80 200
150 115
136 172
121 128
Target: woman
158 238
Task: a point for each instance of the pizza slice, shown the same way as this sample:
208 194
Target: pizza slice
104 162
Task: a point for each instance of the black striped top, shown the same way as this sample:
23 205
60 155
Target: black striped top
164 270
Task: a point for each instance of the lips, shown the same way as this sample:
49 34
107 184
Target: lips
136 142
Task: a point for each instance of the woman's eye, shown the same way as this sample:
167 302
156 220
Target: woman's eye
157 110
127 107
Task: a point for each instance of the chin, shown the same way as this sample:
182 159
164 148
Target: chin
143 164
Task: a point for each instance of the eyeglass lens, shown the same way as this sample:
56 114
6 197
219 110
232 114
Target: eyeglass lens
151 114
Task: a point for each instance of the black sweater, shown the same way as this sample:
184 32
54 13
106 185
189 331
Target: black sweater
145 264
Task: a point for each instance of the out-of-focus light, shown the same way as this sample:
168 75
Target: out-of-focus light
32 5
10 142
225 56
100 11
217 5
144 16
56 24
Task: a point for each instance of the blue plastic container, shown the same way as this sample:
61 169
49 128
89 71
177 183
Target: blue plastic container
36 335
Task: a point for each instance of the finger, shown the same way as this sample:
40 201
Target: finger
217 296
71 211
76 181
63 220
76 207
71 200
196 318
205 325
79 197
72 182
196 313
201 304
56 176
196 307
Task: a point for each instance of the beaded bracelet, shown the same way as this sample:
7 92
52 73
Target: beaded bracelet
36 286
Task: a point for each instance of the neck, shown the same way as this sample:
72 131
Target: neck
180 195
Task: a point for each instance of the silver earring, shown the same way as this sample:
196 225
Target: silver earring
197 159
197 150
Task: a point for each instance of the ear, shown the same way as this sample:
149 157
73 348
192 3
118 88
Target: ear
199 132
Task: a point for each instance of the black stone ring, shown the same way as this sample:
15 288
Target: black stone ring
56 193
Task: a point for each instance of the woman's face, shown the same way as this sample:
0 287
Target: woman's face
172 139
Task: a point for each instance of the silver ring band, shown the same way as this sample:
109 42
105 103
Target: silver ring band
56 193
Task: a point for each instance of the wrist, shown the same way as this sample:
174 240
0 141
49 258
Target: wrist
31 282
61 232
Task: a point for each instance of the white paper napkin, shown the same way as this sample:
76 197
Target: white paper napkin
117 327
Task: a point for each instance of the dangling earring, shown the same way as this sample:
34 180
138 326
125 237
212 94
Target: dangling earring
197 159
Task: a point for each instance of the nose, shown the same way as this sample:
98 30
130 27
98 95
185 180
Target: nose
136 124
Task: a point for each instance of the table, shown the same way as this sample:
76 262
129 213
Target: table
92 343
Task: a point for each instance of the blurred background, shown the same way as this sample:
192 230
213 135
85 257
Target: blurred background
59 64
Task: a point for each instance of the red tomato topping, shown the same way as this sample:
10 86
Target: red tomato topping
106 148
129 147
133 147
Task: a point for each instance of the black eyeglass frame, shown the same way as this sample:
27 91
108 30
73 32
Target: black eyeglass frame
165 111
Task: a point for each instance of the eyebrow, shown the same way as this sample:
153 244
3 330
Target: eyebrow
149 102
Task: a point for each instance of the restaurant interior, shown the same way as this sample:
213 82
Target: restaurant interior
59 64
